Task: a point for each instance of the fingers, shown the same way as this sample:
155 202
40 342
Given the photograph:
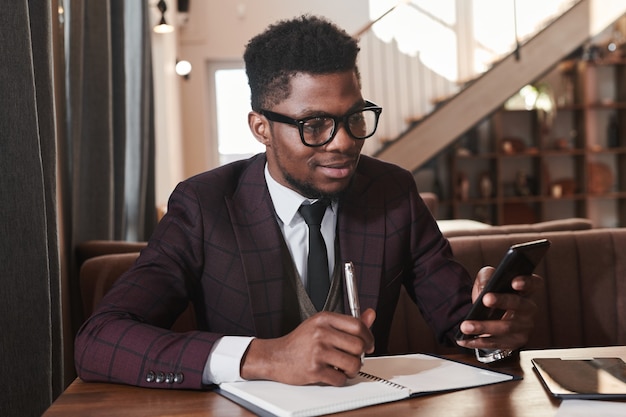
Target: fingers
353 335
367 318
502 334
336 344
511 324
523 284
506 302
527 284
519 303
324 349
483 276
513 330
338 341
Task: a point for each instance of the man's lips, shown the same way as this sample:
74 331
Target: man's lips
338 170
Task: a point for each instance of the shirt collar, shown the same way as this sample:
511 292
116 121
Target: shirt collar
287 201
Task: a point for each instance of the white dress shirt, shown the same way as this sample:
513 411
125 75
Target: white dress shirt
224 361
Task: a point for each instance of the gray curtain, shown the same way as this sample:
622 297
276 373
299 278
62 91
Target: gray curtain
30 314
76 163
109 151
110 125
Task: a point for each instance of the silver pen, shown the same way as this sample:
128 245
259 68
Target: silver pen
353 295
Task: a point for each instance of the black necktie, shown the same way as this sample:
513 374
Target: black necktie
318 281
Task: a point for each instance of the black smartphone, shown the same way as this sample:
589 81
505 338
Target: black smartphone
520 259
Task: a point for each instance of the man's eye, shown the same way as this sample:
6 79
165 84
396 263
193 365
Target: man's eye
317 125
357 119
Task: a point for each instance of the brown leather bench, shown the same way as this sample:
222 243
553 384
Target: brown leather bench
584 298
453 228
97 275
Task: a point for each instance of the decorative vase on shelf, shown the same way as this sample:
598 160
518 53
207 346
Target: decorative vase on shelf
486 186
522 184
462 183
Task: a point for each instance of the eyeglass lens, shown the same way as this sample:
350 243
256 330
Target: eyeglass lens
319 130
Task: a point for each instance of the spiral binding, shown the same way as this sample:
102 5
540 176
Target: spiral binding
383 380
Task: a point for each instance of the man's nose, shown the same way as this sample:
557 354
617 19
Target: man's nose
342 139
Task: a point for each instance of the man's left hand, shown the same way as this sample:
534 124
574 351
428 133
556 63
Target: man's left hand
513 330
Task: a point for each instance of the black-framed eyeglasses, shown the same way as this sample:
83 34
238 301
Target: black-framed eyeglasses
320 130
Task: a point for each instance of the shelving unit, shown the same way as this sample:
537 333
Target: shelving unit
540 166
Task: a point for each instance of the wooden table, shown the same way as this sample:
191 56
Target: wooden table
518 398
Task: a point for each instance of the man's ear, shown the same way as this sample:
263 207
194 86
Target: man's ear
259 126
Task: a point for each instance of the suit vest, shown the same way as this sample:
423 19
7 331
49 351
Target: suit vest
297 304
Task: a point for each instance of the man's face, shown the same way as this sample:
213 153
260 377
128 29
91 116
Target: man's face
314 172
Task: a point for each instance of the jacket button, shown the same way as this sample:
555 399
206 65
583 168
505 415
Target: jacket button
179 377
150 376
160 377
169 378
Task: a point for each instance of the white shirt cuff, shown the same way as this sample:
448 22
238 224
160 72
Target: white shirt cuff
224 361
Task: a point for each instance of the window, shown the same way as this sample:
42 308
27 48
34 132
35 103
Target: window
232 98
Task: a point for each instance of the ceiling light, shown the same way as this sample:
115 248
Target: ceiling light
163 26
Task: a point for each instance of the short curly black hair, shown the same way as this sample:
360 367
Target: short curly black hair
307 44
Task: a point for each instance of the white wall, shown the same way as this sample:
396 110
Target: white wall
167 121
218 31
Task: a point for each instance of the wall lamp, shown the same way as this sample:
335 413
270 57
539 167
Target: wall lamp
183 68
163 26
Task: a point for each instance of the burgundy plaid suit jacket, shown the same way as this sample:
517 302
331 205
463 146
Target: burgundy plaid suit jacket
219 245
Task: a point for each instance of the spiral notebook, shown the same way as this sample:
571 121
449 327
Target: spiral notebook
381 380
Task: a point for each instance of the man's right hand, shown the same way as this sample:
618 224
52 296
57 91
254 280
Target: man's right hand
324 349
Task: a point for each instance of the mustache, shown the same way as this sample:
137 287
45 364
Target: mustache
340 161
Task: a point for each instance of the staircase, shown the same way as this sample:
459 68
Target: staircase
485 94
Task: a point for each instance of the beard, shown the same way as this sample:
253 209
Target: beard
308 190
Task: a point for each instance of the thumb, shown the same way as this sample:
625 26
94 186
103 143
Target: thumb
482 278
368 317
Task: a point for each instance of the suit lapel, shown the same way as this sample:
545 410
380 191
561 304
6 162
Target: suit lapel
361 228
361 231
259 241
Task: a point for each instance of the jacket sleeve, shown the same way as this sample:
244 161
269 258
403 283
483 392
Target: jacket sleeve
439 284
127 339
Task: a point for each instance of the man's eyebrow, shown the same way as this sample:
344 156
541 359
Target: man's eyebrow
315 112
